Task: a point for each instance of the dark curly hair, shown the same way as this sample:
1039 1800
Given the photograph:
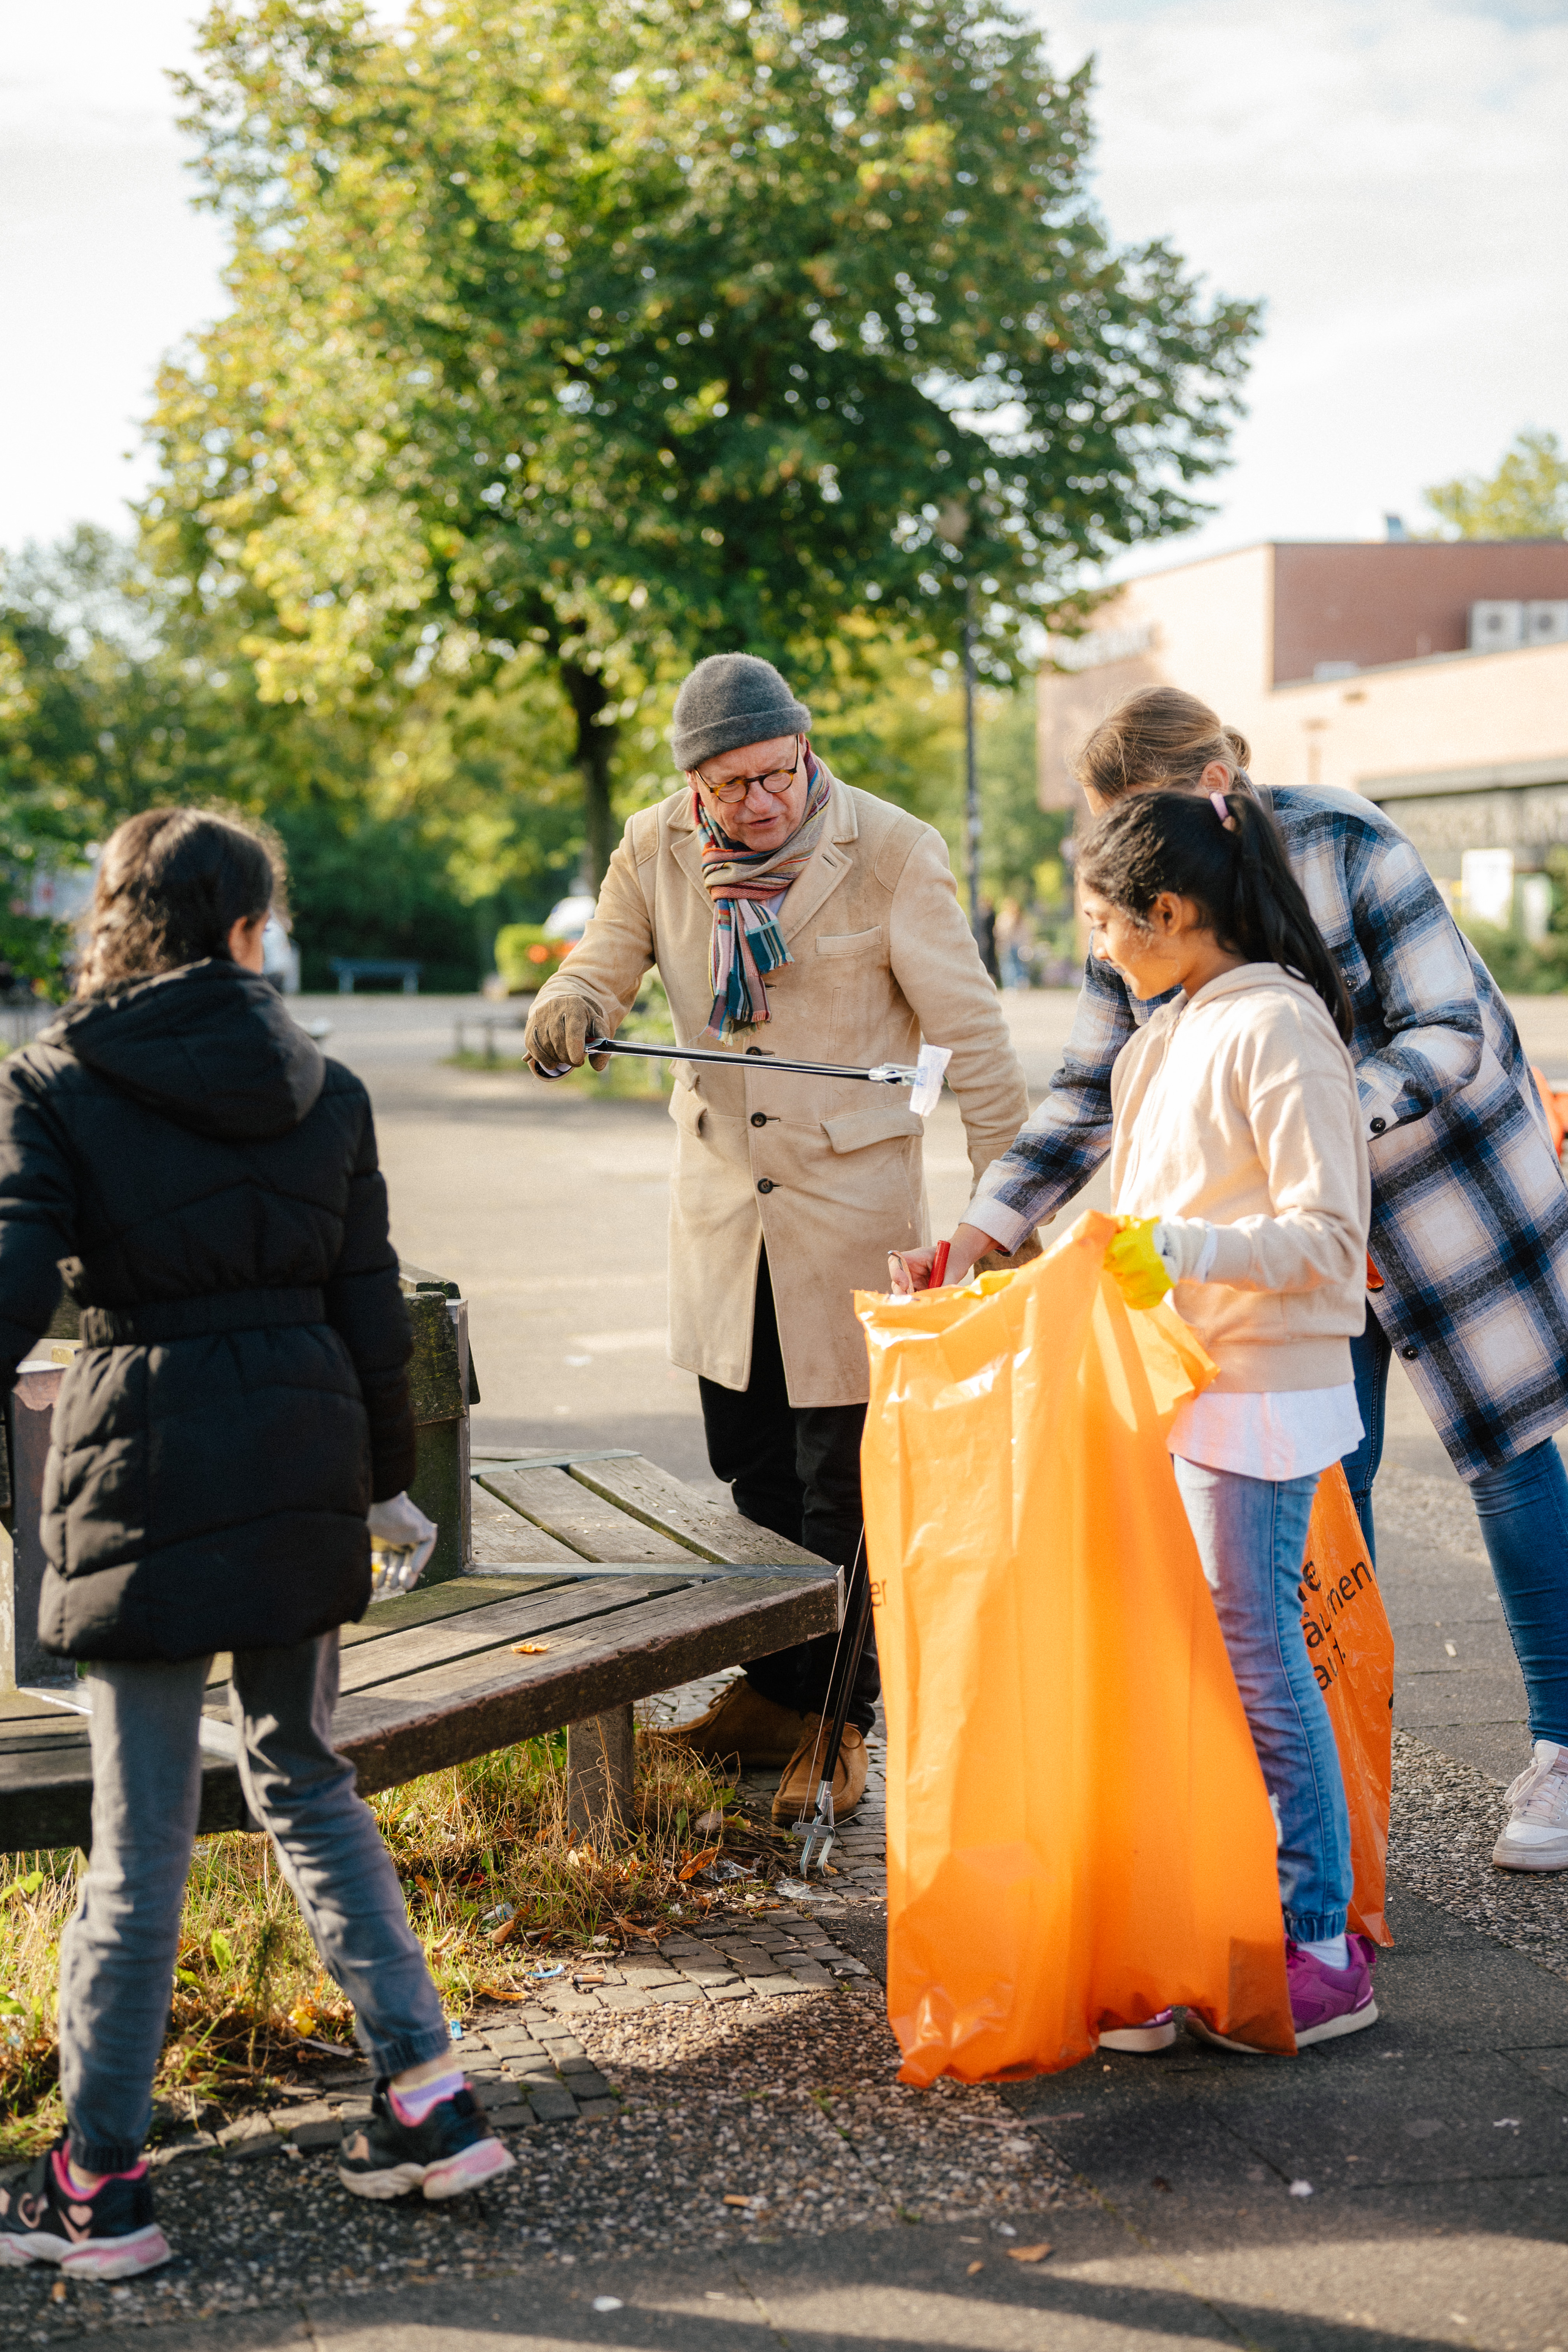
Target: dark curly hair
171 887
1236 873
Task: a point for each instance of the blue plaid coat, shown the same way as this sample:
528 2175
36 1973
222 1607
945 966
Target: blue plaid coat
1469 1209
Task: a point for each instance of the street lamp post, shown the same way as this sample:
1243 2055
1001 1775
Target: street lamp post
953 524
971 763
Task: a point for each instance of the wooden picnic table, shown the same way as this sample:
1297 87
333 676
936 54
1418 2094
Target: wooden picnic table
433 1678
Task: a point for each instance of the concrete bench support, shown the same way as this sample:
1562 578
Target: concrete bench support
599 1774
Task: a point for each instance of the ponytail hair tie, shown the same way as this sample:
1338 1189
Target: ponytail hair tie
1221 807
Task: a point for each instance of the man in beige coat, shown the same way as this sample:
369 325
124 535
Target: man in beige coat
794 916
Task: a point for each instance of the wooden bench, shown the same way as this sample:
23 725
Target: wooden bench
683 1589
432 1679
347 969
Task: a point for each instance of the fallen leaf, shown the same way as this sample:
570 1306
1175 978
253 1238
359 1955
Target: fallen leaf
1026 2253
973 2268
499 1992
504 1933
633 1929
529 1649
697 1861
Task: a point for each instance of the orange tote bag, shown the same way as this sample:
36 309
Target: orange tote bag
1350 1644
1077 1830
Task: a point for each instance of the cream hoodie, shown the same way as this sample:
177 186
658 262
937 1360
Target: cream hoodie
1238 1104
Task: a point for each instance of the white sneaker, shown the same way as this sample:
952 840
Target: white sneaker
1536 1837
1157 2032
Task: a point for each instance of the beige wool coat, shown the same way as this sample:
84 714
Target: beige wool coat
827 1171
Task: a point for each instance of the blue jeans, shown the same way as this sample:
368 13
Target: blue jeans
1251 1535
117 1955
1523 1512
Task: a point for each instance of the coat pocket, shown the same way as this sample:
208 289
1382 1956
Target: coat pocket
849 943
688 1109
883 1124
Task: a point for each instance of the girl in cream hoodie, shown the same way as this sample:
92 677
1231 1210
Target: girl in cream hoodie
1238 1160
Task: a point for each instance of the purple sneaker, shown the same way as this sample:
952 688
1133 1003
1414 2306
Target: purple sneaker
1326 2002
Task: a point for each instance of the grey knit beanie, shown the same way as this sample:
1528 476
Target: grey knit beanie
730 699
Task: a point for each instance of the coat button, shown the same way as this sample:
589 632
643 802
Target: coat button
764 1184
1410 1354
758 1119
1378 1124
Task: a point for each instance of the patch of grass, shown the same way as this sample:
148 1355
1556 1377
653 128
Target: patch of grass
249 1988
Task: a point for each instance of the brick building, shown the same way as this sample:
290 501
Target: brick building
1430 676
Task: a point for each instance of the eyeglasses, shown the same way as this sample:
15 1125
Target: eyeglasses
731 794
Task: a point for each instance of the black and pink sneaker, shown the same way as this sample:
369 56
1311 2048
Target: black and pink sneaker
448 2151
44 2218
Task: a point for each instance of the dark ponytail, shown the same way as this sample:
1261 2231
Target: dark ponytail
1233 869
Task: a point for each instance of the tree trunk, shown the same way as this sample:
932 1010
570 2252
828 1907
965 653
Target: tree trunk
588 695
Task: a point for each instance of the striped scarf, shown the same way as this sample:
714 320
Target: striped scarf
747 888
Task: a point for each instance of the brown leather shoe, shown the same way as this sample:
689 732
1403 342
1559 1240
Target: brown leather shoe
741 1724
796 1792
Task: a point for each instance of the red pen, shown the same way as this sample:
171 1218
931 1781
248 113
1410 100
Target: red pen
939 1266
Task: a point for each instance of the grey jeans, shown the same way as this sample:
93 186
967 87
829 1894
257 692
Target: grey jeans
118 1953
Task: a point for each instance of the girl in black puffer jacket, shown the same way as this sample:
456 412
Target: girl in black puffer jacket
177 1149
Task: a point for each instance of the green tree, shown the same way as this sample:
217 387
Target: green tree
635 332
1527 497
413 828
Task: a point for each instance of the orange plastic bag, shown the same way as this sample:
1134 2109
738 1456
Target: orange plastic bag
1350 1644
1077 1830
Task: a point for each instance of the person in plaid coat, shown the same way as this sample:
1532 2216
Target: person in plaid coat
1469 1271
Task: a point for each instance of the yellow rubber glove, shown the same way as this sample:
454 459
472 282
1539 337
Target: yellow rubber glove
1135 1264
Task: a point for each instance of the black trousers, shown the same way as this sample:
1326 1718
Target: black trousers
796 1469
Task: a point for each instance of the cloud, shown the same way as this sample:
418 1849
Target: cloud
1393 180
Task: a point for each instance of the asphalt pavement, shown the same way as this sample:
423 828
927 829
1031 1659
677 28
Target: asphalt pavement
1406 2188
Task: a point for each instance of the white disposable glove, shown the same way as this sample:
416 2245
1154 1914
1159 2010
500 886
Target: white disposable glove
1186 1247
401 1541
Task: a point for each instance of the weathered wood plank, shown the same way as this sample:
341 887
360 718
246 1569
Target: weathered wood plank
645 1492
502 1535
482 1630
449 1713
426 1604
42 1741
23 1706
430 1604
46 1801
594 1528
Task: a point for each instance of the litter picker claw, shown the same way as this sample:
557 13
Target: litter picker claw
922 1076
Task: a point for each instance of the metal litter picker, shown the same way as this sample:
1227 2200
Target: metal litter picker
923 1077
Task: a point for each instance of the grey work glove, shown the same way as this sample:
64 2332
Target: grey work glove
401 1541
558 1027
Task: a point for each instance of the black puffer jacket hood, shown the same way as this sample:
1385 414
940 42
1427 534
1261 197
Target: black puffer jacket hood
210 1047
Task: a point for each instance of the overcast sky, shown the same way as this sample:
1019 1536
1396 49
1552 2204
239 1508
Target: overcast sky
1392 175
